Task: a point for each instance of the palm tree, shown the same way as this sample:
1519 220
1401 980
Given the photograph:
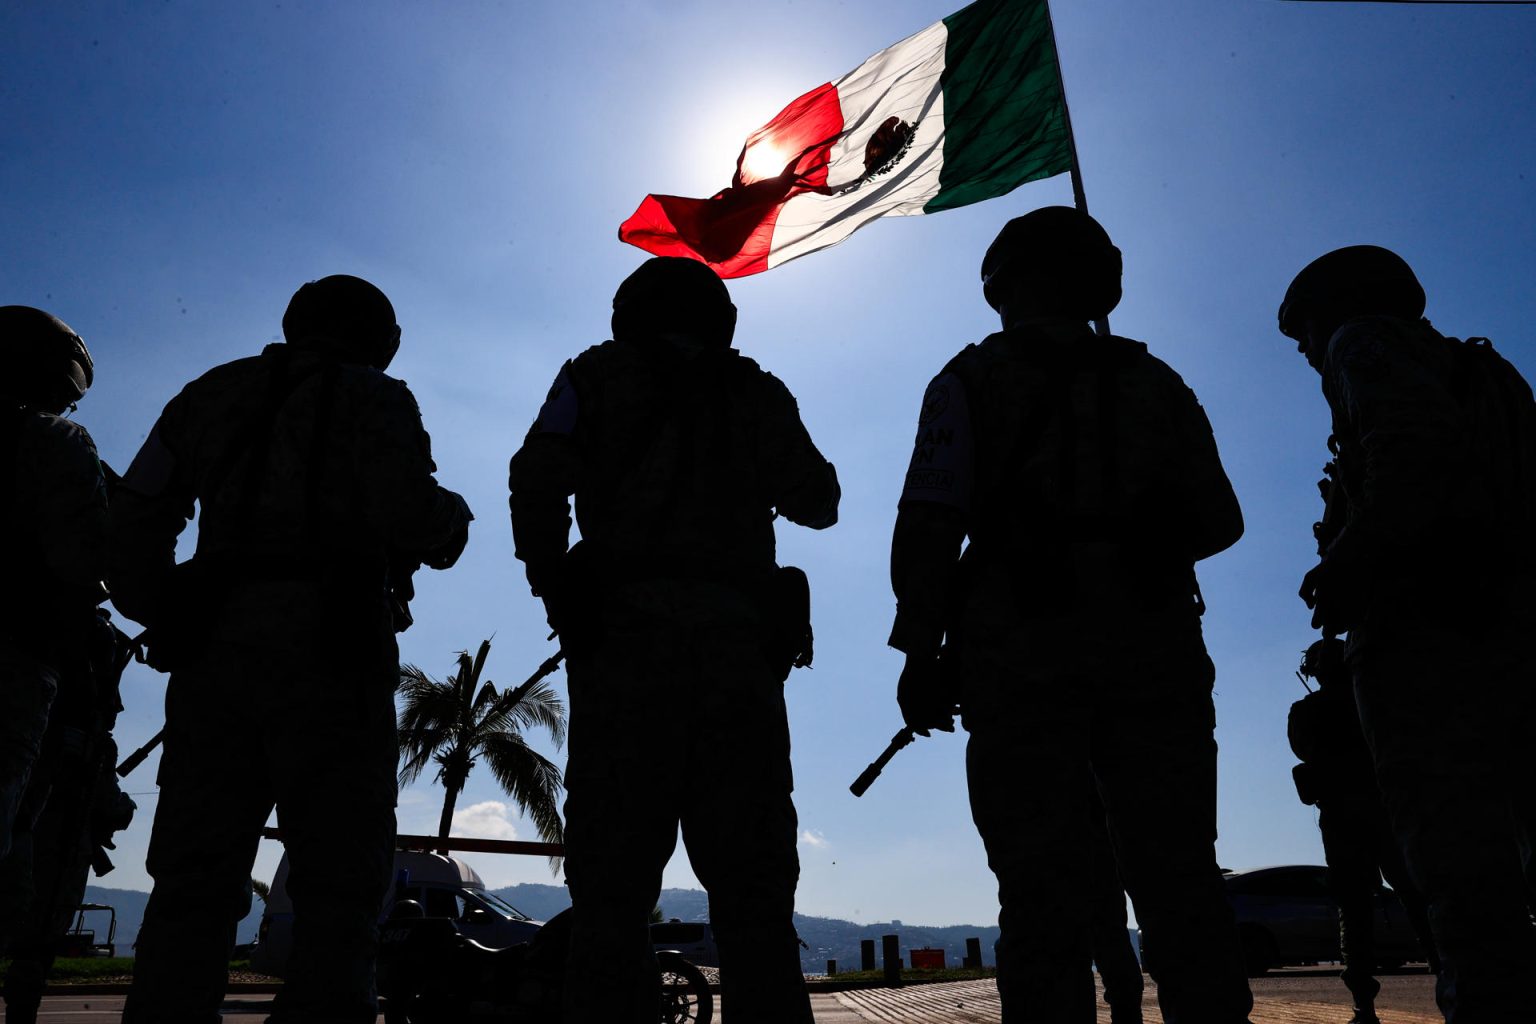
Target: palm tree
456 720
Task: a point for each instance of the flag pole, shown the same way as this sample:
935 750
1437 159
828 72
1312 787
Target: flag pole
1079 196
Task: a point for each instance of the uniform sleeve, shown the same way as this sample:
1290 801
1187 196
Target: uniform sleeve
1215 519
543 475
71 513
932 516
1408 428
943 466
801 483
411 511
151 505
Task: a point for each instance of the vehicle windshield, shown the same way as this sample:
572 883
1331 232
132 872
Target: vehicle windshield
499 904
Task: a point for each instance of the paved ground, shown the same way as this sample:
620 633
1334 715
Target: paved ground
1282 999
1300 998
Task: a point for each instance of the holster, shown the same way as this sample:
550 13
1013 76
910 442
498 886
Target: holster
790 642
572 599
189 603
1309 784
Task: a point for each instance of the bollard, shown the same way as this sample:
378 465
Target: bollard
866 954
973 952
890 952
831 968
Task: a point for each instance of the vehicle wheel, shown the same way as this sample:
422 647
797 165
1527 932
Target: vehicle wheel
685 995
1259 951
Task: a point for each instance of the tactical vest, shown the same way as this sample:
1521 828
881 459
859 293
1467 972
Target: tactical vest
1051 471
670 443
22 607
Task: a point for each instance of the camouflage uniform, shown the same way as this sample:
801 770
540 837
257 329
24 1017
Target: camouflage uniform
1436 567
1337 776
677 463
82 806
1110 937
310 473
56 529
1084 472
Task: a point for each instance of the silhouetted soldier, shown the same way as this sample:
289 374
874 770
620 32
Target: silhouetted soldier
312 471
1337 777
53 524
1084 473
679 451
1109 934
1431 575
74 806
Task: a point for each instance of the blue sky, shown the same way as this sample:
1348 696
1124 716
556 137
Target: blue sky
172 171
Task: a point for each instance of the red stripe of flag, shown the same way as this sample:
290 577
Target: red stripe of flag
732 230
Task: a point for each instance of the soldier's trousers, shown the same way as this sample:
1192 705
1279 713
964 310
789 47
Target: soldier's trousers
1045 698
1451 717
287 716
1110 940
27 688
48 870
676 719
1360 851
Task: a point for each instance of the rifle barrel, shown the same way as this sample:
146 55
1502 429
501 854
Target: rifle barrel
871 773
139 756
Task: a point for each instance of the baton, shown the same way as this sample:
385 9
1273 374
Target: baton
867 779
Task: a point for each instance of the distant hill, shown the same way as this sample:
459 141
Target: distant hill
130 903
828 938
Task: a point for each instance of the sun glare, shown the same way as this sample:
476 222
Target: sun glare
763 160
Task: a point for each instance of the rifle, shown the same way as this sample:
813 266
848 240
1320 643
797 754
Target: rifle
547 666
138 757
870 774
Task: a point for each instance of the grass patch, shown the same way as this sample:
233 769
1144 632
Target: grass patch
86 968
101 968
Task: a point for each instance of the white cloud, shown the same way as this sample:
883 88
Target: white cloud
490 819
813 837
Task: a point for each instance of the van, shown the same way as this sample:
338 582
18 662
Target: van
693 939
444 886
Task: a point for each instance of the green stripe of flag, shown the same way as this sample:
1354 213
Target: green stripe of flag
1005 117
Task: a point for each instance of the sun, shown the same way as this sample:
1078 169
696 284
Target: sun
763 160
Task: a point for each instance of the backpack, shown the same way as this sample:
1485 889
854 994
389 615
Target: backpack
1501 417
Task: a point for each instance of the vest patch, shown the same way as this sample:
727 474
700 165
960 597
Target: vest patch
942 469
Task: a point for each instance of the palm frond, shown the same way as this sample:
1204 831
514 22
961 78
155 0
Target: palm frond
480 655
467 679
540 706
484 699
532 781
427 716
415 754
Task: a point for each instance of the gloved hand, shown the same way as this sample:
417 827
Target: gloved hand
926 694
569 595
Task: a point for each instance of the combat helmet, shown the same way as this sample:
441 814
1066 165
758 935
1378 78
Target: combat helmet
1357 280
346 316
48 367
674 297
1068 251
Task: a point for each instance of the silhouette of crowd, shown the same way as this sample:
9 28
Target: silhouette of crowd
1063 484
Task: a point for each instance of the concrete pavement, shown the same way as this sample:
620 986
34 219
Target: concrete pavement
1279 999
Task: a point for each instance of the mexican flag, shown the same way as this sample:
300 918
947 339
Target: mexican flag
967 109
